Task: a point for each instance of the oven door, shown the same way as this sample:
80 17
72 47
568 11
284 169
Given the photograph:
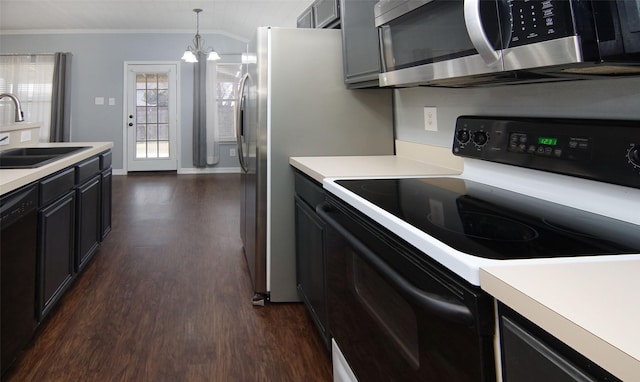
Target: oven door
426 41
394 315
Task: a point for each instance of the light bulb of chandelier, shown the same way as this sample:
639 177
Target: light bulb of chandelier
188 56
213 56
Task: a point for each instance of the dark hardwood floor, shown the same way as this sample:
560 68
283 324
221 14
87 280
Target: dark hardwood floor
168 298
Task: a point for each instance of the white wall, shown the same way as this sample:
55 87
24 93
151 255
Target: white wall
98 71
608 99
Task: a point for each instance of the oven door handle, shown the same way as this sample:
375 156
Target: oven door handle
435 304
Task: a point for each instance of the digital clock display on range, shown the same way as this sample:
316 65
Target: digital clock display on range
549 141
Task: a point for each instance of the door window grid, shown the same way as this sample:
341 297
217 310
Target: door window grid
152 115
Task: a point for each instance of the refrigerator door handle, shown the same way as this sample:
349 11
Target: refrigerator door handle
239 125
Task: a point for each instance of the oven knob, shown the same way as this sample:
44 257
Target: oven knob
480 138
462 136
633 155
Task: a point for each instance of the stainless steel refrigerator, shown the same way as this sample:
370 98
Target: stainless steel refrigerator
294 103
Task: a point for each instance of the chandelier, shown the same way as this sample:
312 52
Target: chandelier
191 54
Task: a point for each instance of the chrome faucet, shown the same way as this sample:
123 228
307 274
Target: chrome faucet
19 115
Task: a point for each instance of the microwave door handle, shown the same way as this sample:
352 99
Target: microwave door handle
445 309
473 21
239 122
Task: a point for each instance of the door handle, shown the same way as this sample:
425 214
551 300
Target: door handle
239 126
130 124
479 39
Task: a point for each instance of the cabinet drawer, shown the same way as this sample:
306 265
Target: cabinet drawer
309 190
105 160
56 185
87 169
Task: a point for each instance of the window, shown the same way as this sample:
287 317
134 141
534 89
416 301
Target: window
30 78
152 115
228 76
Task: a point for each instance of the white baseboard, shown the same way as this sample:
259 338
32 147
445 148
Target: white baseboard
213 170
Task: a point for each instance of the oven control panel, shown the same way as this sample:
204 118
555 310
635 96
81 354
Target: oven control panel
604 150
554 146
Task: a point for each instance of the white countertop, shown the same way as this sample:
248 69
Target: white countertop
591 306
365 166
12 179
412 160
19 126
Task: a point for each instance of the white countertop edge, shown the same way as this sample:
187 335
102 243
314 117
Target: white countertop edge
591 345
19 126
12 179
321 167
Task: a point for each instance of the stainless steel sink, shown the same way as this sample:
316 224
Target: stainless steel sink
32 157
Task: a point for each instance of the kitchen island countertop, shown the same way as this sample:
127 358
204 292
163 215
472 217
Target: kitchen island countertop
12 179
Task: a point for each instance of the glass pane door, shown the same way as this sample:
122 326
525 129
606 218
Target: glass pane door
152 117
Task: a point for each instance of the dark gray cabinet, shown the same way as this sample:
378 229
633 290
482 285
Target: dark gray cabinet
89 210
305 20
74 216
529 353
326 14
56 250
56 238
361 49
88 221
322 14
310 259
105 198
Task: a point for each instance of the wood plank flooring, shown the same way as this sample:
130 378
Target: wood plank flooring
168 298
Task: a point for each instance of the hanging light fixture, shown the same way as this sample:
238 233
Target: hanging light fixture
191 54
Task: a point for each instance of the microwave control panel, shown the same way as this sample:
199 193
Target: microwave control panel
604 150
538 20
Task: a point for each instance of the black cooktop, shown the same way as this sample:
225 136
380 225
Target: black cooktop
494 223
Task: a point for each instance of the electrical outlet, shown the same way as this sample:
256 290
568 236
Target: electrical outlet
25 135
430 119
232 152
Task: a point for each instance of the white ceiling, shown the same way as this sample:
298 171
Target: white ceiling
236 18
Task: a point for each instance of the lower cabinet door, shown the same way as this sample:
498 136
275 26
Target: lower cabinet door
310 265
105 227
531 354
56 231
88 223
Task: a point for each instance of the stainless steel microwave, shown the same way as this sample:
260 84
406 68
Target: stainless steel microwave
461 43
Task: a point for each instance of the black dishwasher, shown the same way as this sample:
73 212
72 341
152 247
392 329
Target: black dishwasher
18 220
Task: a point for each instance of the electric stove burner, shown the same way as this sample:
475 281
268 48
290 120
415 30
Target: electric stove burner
489 222
491 227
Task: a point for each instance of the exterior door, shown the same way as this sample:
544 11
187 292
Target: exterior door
151 119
